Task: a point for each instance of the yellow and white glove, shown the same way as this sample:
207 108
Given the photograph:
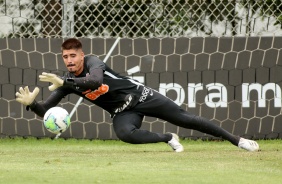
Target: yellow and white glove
54 79
26 97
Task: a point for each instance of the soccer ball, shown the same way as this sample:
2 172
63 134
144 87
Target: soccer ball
56 120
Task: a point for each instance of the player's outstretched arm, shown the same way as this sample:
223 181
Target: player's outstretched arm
54 79
90 81
25 97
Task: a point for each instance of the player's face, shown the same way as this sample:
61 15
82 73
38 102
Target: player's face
74 60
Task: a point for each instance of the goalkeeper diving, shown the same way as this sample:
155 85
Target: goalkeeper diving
126 100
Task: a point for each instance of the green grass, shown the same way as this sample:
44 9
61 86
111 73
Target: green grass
83 161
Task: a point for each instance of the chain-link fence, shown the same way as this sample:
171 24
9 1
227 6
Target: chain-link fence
141 18
171 46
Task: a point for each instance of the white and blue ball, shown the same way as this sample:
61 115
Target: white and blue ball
56 120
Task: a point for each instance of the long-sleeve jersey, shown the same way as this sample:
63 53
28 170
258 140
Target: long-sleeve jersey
97 83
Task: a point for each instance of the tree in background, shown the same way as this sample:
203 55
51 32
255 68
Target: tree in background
139 18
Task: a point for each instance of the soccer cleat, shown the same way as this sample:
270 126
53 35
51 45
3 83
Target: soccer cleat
174 143
248 145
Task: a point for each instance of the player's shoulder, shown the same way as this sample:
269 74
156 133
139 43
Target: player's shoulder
91 58
91 62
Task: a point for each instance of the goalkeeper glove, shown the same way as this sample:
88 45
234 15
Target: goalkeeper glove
54 79
26 97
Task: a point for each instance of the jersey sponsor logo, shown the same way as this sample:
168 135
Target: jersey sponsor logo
125 105
93 95
146 91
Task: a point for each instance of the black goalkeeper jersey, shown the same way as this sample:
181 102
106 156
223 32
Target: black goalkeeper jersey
115 94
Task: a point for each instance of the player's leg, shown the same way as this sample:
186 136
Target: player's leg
169 111
127 128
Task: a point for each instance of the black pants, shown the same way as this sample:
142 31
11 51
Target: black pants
127 123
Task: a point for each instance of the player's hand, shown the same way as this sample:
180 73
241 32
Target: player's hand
26 97
54 79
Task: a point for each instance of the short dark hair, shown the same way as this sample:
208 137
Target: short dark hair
71 43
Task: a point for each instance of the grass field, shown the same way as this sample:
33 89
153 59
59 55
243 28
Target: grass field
83 161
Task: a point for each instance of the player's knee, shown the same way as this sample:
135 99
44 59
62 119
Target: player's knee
126 135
